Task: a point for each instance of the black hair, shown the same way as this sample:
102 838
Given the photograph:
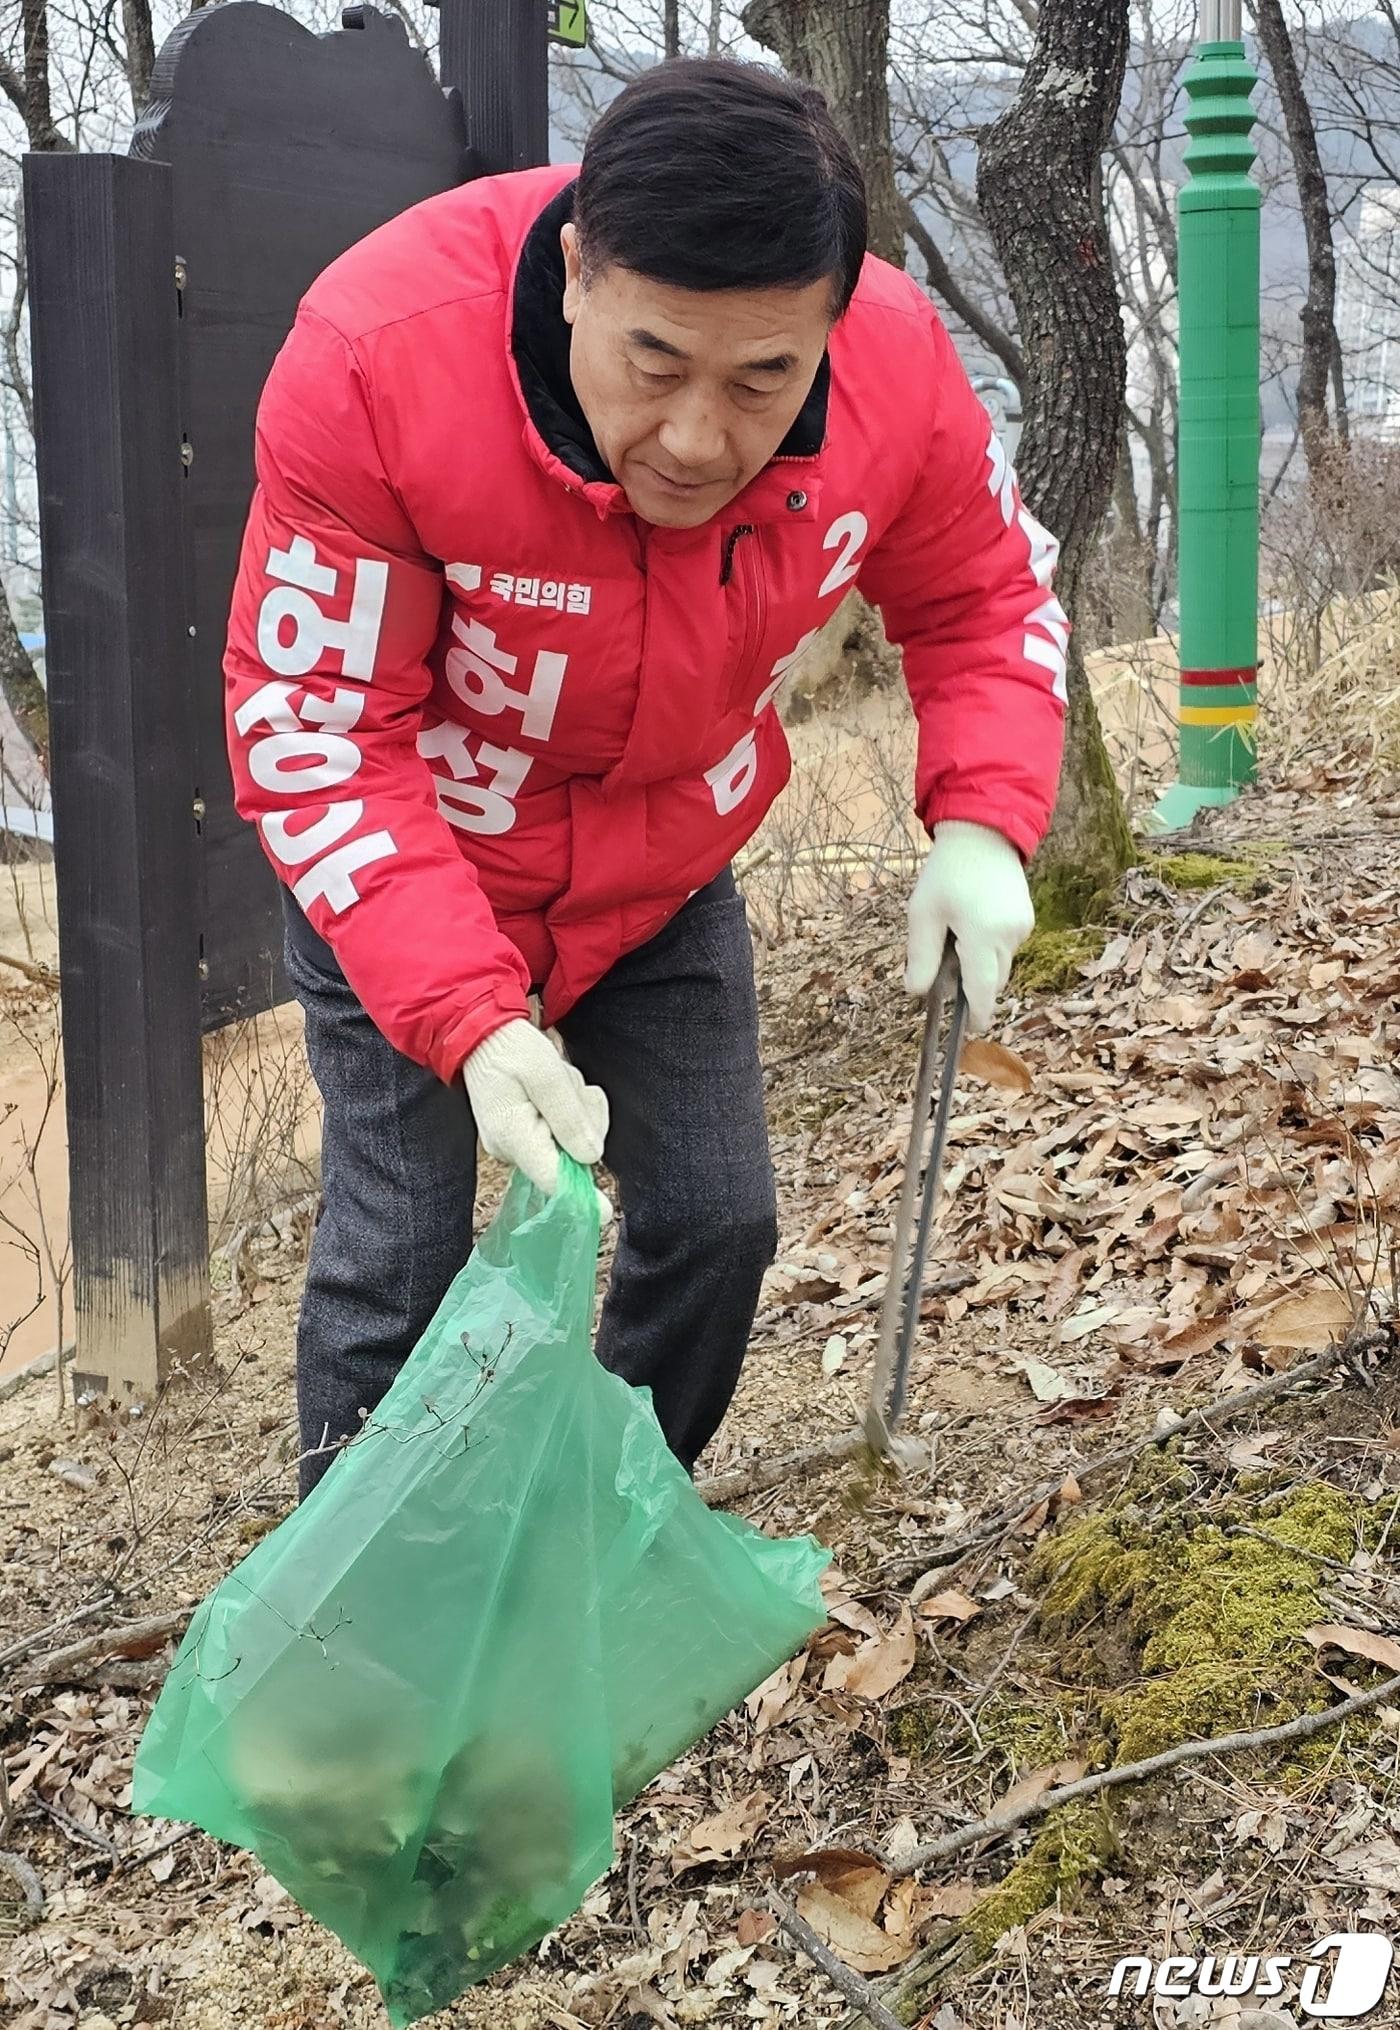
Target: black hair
710 174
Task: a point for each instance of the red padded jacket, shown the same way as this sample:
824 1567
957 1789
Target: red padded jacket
492 728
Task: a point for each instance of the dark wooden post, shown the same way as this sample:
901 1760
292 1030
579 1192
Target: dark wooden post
103 304
265 152
496 54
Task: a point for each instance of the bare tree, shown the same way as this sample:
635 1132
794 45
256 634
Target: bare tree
140 51
1040 181
844 51
1320 346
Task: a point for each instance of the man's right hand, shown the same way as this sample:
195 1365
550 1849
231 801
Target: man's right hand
530 1103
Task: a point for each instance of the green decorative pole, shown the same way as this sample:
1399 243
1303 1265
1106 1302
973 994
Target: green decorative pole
1218 448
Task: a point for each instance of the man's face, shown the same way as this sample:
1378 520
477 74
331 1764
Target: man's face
689 393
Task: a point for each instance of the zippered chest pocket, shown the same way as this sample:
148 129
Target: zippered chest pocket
744 576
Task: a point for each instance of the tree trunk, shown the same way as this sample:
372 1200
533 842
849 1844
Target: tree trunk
140 51
844 52
1319 311
1130 561
1040 188
19 679
24 693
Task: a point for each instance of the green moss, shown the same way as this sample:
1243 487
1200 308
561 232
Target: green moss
1321 1519
1163 1628
1195 871
1218 1617
1073 1848
1030 1737
1211 1594
1067 897
1099 1559
1050 959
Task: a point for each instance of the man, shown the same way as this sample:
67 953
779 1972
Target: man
558 474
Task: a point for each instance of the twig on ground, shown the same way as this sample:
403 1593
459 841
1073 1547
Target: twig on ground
721 1488
31 1888
997 1825
38 1635
78 1831
131 1857
129 1639
844 1979
160 1847
990 1682
634 1908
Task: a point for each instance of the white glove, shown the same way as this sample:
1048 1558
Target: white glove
529 1103
972 888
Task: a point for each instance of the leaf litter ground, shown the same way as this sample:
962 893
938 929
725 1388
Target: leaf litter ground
1175 1177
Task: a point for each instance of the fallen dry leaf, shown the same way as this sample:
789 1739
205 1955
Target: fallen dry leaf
1374 1862
1246 1455
855 1938
878 1665
646 2003
1313 1316
950 1605
994 1063
1086 1322
1203 1335
947 1899
767 1703
721 1836
828 1864
1080 1409
755 1926
852 1614
1378 1649
1046 1384
1033 1787
1060 1291
909 1906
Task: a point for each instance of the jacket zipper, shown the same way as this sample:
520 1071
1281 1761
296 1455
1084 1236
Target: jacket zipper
726 569
755 615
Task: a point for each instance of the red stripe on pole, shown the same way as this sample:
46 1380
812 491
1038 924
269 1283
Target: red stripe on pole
1202 678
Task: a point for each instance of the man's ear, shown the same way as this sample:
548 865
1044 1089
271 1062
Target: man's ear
573 271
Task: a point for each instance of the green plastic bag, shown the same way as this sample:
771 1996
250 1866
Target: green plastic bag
420 1700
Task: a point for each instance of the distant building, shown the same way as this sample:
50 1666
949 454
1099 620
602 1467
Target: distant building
1368 313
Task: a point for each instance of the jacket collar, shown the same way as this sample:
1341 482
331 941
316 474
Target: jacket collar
556 428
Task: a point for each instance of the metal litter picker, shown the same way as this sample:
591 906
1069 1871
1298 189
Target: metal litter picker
899 1315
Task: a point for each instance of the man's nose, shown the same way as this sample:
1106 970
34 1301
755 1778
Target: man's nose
692 433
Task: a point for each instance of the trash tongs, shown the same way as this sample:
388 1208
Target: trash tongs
899 1314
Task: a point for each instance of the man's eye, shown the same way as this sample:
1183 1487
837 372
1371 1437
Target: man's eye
658 380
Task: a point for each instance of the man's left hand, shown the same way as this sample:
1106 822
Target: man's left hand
972 889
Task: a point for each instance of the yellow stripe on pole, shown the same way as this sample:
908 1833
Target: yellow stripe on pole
1219 715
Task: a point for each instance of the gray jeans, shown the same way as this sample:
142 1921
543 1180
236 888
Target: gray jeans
671 1036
